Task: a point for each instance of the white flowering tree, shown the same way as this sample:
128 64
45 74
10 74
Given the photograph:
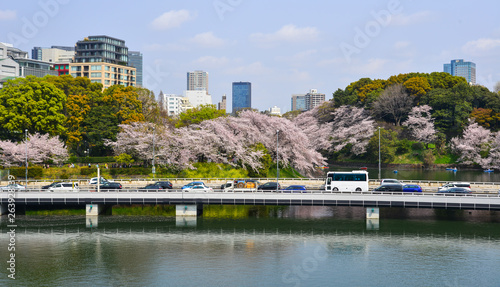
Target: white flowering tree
420 124
353 126
231 140
40 148
475 144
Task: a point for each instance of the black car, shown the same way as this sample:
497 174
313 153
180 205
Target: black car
51 185
270 186
159 185
389 187
164 184
110 185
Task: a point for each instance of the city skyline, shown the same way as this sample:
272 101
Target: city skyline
318 45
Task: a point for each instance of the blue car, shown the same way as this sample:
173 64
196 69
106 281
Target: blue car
295 188
412 188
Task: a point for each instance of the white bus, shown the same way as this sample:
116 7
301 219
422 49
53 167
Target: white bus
357 180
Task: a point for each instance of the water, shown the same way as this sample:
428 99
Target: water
429 174
296 246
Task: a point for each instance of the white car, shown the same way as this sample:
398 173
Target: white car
390 180
198 188
64 186
13 186
447 186
94 180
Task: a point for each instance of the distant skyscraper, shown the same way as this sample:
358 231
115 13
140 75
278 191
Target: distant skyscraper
197 80
135 60
222 104
242 96
313 99
299 102
462 69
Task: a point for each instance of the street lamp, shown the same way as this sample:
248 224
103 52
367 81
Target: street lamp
26 165
379 153
277 160
154 135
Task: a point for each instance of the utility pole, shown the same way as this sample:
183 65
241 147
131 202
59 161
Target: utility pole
379 153
277 160
26 164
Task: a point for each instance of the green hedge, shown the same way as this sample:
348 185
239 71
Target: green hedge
33 172
97 159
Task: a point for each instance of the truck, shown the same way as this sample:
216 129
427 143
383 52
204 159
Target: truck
240 185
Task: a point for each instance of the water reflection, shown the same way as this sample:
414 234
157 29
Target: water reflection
309 246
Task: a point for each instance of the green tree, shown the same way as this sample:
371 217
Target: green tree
33 104
199 114
451 108
388 141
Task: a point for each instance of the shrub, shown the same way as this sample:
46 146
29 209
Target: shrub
403 146
417 146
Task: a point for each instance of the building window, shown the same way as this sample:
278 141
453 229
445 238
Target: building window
106 75
77 68
96 75
95 81
96 67
106 82
106 68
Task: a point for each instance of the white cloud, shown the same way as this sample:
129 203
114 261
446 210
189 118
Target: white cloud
6 15
288 33
172 19
401 45
208 40
415 18
211 61
299 58
481 46
373 66
256 68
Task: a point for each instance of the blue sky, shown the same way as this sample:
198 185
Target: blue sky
281 47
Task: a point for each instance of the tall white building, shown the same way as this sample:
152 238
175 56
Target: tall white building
197 80
53 55
173 104
199 97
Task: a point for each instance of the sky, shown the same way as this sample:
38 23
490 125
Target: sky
281 47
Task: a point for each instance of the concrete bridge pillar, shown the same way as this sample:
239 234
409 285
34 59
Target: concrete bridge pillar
372 213
92 209
188 209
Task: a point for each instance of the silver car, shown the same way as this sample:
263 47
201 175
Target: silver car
64 186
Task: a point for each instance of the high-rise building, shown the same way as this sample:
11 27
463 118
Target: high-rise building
313 99
101 49
222 104
242 96
103 60
197 80
135 60
55 54
298 102
461 69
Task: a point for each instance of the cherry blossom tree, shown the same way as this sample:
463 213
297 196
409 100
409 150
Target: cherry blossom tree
353 126
318 134
475 142
494 153
421 124
40 148
231 140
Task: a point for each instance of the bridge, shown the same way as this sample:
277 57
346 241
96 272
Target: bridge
191 203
